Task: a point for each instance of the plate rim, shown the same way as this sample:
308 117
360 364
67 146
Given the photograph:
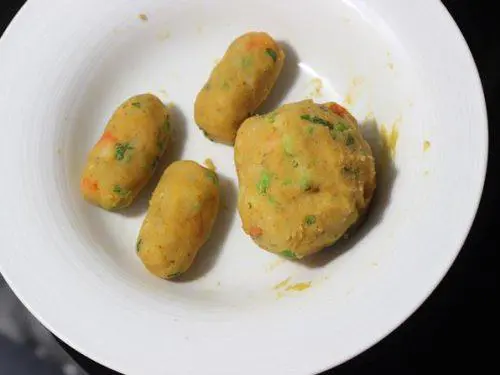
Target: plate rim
417 305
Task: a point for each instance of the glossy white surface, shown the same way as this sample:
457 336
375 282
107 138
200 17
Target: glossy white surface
65 66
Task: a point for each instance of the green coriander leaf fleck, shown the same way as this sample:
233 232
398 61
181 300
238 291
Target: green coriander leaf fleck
317 120
340 127
272 53
121 150
305 184
271 117
310 219
264 183
212 176
289 254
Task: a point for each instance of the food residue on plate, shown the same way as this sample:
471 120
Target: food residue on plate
143 17
390 138
299 287
163 92
353 91
163 35
210 164
370 116
316 86
282 284
427 145
274 264
285 286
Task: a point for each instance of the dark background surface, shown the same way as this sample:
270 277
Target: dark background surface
455 329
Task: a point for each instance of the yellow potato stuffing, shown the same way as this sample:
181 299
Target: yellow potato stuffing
239 83
306 175
179 220
126 155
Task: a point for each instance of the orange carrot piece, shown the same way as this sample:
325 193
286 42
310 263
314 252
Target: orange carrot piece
338 109
257 41
107 137
88 184
255 231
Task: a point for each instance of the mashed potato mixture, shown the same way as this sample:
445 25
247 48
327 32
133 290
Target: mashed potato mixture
306 175
126 155
179 220
239 83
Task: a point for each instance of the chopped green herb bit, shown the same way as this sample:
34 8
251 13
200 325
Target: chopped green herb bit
264 183
305 184
121 149
349 140
136 104
212 176
289 254
250 205
340 127
317 120
310 219
138 245
271 117
287 181
271 199
272 53
295 163
120 191
310 130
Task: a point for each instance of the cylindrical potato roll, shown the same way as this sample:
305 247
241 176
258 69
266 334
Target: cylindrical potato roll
126 155
179 220
306 176
239 83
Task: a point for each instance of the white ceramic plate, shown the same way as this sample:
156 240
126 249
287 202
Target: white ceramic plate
65 65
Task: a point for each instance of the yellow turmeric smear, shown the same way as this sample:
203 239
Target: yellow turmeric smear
299 287
210 164
427 145
283 283
390 139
